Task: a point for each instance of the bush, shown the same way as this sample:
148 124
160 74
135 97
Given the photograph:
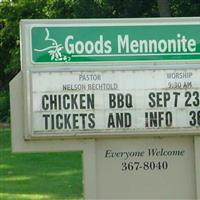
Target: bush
4 106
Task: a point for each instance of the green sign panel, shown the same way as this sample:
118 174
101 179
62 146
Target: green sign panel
115 43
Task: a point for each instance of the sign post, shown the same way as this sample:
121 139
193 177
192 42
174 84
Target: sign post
125 92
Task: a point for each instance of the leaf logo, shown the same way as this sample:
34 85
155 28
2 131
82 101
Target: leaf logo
54 50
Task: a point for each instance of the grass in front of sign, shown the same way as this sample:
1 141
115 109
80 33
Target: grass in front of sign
35 176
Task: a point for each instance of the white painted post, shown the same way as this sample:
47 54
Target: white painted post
197 164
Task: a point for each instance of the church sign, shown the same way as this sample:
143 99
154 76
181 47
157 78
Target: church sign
114 102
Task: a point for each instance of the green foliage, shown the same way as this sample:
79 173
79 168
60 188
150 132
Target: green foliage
185 8
11 12
131 8
4 106
59 9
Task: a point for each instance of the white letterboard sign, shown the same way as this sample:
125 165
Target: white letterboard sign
114 102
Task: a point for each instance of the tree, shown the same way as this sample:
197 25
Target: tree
12 11
184 8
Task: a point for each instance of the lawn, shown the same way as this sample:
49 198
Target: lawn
35 176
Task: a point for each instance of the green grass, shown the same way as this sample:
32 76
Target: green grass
35 176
